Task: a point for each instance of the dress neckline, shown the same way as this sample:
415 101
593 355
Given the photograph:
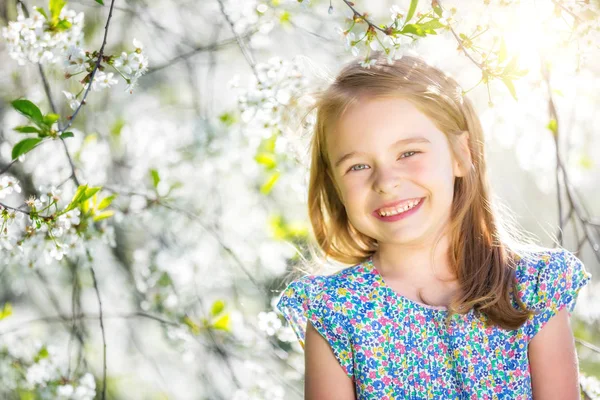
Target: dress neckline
382 283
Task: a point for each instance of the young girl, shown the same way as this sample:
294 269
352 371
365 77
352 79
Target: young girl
441 301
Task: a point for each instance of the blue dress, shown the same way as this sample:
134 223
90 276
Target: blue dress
395 348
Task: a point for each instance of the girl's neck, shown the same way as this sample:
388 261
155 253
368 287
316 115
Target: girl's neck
414 265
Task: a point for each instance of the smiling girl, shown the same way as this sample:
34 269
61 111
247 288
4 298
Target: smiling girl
440 299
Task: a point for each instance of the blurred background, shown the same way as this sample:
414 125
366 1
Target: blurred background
151 220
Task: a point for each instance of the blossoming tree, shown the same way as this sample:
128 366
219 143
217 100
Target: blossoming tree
146 232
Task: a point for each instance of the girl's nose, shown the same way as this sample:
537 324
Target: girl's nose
386 179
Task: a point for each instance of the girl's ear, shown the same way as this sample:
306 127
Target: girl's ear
463 161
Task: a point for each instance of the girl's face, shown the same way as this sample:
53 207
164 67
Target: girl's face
384 150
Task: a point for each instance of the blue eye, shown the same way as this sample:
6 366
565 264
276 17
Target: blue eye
407 152
352 167
415 152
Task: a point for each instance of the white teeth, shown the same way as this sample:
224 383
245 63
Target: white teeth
400 209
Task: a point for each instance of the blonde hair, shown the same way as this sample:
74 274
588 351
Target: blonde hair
484 246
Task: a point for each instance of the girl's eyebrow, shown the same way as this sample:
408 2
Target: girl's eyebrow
347 156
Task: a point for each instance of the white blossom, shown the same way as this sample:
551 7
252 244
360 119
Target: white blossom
397 13
40 373
8 185
55 251
86 389
286 334
31 39
269 322
132 65
138 44
367 63
72 99
65 391
75 60
103 80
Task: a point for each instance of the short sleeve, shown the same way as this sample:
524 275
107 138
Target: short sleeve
310 298
548 283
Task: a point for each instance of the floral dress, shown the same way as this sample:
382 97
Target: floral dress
395 348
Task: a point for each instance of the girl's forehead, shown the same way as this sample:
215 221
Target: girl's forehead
384 120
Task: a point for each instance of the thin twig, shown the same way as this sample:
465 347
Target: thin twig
82 316
561 167
575 16
356 13
587 345
247 54
47 88
197 50
98 61
555 135
89 255
10 164
221 243
73 175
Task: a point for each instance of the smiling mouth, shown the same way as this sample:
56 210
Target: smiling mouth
391 211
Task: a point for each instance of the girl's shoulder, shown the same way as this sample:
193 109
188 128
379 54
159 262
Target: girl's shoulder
323 300
333 287
548 280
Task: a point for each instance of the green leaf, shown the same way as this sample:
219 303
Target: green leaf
6 311
432 24
411 9
43 353
222 323
65 135
553 126
217 307
227 119
511 87
437 9
277 227
100 2
115 129
502 51
280 229
155 177
415 29
55 8
174 186
103 215
27 129
268 144
284 17
50 118
63 25
268 185
266 159
510 67
586 161
194 327
78 193
82 194
42 11
89 192
106 201
24 146
30 110
26 394
164 280
521 72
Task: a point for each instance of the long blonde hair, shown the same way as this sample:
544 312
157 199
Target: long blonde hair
484 246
